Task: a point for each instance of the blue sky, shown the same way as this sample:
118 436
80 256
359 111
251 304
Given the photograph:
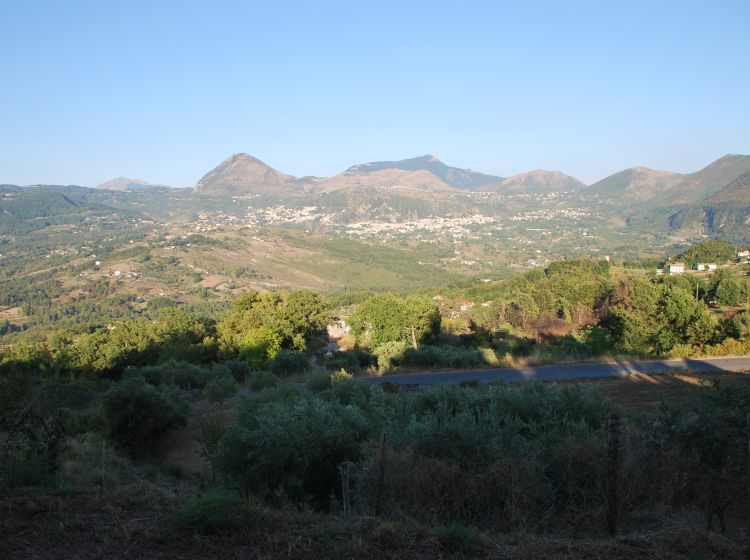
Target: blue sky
164 91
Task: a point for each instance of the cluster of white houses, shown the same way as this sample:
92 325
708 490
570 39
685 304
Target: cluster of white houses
678 267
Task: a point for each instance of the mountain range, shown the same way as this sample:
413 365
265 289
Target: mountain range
242 174
125 183
245 175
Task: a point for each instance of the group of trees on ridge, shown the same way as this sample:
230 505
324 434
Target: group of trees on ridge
589 309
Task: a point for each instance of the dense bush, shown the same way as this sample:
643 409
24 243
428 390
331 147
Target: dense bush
349 360
385 318
237 368
289 362
139 414
449 357
293 445
448 442
220 388
529 457
389 355
181 374
294 320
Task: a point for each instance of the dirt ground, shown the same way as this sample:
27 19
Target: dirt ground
181 446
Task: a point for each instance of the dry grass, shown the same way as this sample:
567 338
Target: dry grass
182 447
137 522
646 392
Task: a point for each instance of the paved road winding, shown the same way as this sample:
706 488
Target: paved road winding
565 371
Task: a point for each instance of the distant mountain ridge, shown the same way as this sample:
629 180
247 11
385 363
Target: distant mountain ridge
245 175
709 180
464 179
537 181
242 174
666 188
125 183
636 184
736 192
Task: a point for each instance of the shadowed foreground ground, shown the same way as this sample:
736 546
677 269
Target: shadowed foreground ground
136 522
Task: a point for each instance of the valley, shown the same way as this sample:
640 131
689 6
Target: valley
247 226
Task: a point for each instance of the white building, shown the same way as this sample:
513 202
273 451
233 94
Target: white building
710 267
677 268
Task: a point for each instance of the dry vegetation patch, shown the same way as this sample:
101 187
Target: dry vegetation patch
640 392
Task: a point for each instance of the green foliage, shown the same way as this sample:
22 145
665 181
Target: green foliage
293 446
259 380
294 320
139 342
543 441
450 357
386 318
389 354
694 456
181 374
348 360
212 429
710 251
319 382
89 463
220 388
259 346
289 362
238 369
682 319
658 317
728 291
139 414
213 511
737 326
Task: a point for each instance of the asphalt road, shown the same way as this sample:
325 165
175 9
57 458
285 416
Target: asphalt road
565 371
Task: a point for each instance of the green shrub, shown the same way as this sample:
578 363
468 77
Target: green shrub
29 470
68 393
220 389
139 414
258 346
389 355
293 446
181 374
451 357
91 419
319 382
334 361
212 429
289 362
238 369
211 512
262 380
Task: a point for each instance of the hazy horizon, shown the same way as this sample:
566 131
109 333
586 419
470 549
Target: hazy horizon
165 92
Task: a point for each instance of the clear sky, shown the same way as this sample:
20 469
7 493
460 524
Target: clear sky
165 90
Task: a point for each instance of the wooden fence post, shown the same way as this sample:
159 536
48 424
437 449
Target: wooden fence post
613 466
345 499
381 478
